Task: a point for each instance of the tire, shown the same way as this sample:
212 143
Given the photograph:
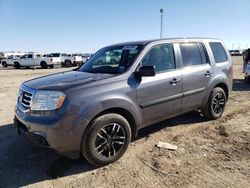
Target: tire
247 79
216 104
16 65
68 63
106 139
4 64
44 65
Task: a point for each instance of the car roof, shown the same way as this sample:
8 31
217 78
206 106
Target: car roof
146 42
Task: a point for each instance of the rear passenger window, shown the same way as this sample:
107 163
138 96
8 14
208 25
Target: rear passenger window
219 52
30 56
160 56
191 54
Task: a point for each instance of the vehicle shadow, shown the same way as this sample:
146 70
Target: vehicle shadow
240 85
22 163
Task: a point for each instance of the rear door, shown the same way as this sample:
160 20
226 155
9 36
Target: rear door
197 73
160 96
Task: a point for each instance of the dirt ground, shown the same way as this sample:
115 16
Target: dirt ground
209 154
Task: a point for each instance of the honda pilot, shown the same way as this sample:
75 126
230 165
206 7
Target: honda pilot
98 108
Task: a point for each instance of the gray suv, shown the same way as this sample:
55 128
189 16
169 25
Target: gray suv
97 109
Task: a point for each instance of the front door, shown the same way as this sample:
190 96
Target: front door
160 96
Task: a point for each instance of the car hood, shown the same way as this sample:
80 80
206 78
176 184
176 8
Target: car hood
64 80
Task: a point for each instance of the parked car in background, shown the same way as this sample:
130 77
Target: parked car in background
235 52
9 61
62 58
78 59
246 64
85 58
33 60
98 108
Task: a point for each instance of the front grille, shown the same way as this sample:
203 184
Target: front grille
25 98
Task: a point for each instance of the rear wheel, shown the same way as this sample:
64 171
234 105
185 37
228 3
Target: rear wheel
106 140
44 65
216 104
16 65
68 64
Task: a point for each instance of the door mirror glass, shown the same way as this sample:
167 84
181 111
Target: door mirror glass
147 70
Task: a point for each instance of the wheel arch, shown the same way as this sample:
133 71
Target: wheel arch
127 115
224 87
68 60
121 111
221 84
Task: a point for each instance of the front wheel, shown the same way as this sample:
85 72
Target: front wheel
4 64
216 104
106 139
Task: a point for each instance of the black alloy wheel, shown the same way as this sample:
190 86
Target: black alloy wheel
110 140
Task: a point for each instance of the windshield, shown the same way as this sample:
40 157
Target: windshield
112 60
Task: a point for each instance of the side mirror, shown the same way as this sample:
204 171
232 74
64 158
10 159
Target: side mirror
148 70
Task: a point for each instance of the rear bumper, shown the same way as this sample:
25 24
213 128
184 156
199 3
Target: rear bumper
58 133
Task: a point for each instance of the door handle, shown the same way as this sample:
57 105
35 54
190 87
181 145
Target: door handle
174 81
208 73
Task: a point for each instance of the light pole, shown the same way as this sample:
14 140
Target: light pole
161 31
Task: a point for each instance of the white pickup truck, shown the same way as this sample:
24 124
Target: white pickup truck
9 61
62 58
33 60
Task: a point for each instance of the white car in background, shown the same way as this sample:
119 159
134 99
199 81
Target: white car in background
62 58
246 64
78 59
33 60
9 61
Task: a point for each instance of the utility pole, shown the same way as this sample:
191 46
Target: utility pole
161 31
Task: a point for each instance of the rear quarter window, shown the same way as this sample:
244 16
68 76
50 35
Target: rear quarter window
219 52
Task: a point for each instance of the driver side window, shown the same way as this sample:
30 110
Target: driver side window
160 56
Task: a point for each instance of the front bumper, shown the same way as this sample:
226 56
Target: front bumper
63 134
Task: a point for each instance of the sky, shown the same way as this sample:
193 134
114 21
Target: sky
75 26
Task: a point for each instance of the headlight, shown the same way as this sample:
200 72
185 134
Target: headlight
47 100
